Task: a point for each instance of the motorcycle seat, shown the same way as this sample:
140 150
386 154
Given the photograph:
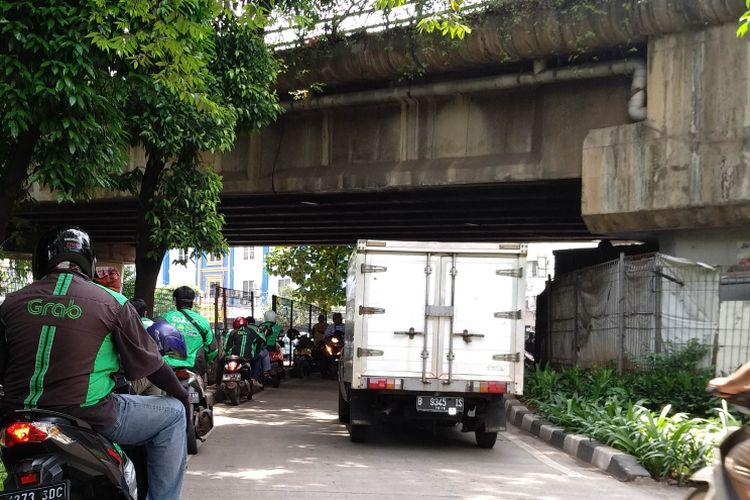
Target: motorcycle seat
47 416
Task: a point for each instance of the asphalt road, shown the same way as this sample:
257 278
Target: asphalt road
287 443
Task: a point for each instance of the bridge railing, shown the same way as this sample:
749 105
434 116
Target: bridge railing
347 18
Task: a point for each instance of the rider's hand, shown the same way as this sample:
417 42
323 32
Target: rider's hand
725 388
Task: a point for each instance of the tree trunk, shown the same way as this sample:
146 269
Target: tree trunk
11 180
147 256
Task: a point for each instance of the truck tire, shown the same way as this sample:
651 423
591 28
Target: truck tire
343 410
485 439
357 433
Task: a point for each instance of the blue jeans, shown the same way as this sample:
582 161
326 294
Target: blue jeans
261 363
158 422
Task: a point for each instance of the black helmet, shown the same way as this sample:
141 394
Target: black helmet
64 244
183 296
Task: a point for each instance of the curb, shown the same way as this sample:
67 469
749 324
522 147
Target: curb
620 465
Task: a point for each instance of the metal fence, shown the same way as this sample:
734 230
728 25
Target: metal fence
620 312
12 279
733 342
295 314
226 304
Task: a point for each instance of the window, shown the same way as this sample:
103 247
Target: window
248 253
284 282
213 258
182 255
248 286
542 267
211 285
533 268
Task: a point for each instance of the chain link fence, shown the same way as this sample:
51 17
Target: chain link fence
13 278
620 312
295 314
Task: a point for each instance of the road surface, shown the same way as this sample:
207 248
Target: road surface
287 443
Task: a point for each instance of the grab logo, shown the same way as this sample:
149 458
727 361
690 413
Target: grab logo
38 307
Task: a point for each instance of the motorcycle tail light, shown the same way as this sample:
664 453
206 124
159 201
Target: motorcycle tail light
23 433
182 374
232 366
28 478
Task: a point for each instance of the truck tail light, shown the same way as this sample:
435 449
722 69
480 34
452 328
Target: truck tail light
385 384
489 387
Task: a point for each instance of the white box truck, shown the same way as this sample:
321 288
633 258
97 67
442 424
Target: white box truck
434 331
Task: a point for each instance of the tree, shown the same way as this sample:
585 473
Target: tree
63 65
319 271
177 190
60 119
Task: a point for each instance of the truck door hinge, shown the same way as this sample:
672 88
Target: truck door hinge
370 310
369 268
512 273
411 333
363 353
513 357
509 314
467 336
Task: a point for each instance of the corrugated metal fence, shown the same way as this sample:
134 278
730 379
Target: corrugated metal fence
620 312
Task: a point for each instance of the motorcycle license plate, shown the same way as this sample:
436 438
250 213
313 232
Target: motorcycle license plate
193 397
231 377
451 406
57 491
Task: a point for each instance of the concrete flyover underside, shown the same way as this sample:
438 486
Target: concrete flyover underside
528 211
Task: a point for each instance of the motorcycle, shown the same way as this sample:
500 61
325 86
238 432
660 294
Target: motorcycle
333 346
712 481
50 455
235 382
201 418
302 357
276 356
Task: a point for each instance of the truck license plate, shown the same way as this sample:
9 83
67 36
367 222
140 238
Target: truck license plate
57 491
451 406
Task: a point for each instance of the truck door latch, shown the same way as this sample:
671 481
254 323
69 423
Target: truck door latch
370 310
466 336
411 333
509 314
512 357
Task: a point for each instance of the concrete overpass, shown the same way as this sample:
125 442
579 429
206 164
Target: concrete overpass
625 119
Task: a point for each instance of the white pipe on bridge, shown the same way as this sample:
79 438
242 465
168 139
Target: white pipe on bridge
635 67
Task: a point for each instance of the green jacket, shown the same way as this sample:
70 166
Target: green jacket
195 339
271 331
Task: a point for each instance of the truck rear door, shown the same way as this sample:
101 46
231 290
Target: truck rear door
393 315
485 336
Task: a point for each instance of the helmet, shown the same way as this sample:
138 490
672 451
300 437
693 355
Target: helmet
183 296
64 244
169 341
270 316
239 322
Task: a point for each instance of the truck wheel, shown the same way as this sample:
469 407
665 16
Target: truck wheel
486 439
357 433
343 410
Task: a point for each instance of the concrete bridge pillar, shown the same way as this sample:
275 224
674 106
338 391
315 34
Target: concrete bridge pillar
684 171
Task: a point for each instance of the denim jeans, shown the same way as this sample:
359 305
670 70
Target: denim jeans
158 422
261 363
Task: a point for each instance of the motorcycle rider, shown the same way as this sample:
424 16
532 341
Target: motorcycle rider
737 462
319 329
241 342
141 308
63 338
337 326
202 346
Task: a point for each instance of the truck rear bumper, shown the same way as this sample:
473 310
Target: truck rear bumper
481 411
